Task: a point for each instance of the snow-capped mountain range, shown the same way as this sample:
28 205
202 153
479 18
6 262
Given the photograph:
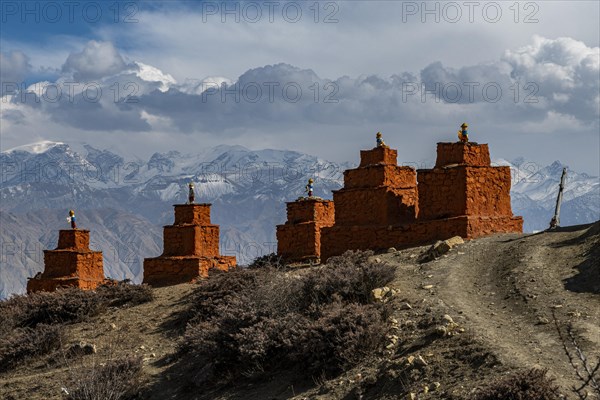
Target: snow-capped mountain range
125 200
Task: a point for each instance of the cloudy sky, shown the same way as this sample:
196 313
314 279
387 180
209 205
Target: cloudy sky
317 77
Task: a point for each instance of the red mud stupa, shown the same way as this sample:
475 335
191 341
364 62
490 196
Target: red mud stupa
72 263
377 196
384 205
299 240
191 248
463 190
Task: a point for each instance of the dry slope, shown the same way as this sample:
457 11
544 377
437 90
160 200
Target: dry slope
500 291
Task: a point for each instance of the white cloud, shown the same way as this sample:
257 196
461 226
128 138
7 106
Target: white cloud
566 72
167 113
96 60
14 67
368 37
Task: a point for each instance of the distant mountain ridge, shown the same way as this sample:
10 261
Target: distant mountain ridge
125 201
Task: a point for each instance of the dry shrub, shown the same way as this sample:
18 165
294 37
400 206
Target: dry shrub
268 261
351 276
342 336
525 385
48 308
125 294
217 291
118 379
32 324
68 305
25 343
257 320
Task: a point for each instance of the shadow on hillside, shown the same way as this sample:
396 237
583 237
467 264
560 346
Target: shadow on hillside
520 238
588 278
174 325
184 376
183 379
593 227
588 231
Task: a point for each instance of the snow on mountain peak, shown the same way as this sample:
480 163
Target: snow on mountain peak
38 88
518 161
152 74
556 168
35 148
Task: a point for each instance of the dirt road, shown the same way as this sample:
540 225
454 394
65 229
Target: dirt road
504 290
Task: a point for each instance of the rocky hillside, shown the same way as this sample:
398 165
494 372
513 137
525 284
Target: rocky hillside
455 327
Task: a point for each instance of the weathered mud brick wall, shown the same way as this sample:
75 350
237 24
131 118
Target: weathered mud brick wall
464 190
72 263
378 155
473 154
463 184
190 248
165 271
195 214
299 239
74 239
193 240
376 195
378 192
375 206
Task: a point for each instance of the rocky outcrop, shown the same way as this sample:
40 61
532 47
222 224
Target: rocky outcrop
440 248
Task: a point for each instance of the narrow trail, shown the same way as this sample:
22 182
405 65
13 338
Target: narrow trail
507 287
